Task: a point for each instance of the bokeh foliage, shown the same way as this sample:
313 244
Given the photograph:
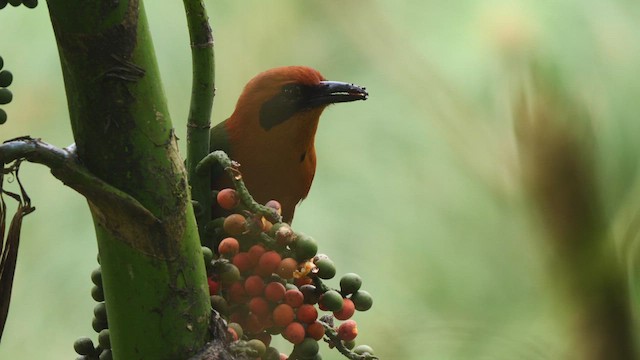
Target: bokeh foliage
419 189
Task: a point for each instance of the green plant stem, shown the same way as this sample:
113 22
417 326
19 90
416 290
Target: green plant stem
202 94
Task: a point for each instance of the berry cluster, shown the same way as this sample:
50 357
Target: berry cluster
28 3
267 279
6 78
84 346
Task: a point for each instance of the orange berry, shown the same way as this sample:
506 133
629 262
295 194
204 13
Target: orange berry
286 268
293 298
228 247
242 262
228 199
274 291
307 314
348 330
235 224
268 263
283 315
255 252
254 285
259 306
315 331
294 332
347 311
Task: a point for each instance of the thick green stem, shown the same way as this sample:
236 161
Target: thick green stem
202 93
153 273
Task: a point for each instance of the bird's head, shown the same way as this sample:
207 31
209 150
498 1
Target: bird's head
279 95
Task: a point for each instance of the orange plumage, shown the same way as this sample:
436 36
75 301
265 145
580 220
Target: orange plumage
271 133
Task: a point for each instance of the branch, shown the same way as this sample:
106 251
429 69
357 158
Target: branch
202 93
64 166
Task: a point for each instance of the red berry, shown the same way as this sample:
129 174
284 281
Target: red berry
294 332
347 311
293 298
252 324
274 291
259 306
315 331
286 268
228 247
254 285
214 286
348 330
307 314
264 337
233 334
236 293
242 262
228 199
255 252
283 315
268 263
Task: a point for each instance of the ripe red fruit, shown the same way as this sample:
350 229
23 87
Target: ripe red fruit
286 268
242 262
315 331
307 314
254 285
259 306
252 325
214 286
348 330
235 224
283 315
236 293
268 263
228 247
228 199
293 298
274 291
255 252
294 332
347 311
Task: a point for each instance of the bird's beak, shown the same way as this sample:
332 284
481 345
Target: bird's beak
331 92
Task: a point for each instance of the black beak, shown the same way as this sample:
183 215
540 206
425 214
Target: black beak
331 92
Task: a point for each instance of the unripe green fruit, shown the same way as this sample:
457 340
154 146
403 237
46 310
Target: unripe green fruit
306 247
96 277
104 340
331 300
6 78
207 254
100 311
97 293
271 354
106 355
1 59
15 2
84 346
363 349
326 268
362 300
230 274
307 348
3 117
99 324
258 346
350 283
5 96
30 3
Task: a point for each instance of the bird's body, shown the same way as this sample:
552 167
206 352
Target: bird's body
271 133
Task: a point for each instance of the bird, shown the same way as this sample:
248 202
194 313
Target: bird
271 133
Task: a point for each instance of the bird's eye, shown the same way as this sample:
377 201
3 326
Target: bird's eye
292 90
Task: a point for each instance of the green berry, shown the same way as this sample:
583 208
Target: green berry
5 96
331 300
207 254
106 355
362 300
349 344
3 117
100 311
219 304
104 339
1 59
15 2
97 293
3 4
230 274
363 349
237 328
306 247
326 268
307 348
84 346
96 277
350 283
258 346
6 78
30 3
271 354
99 324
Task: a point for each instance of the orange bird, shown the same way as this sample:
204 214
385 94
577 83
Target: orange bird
271 133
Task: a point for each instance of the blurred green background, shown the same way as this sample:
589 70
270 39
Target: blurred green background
417 189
